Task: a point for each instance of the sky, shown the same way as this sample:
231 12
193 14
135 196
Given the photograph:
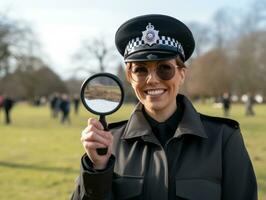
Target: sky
61 25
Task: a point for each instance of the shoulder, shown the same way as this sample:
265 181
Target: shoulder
220 121
117 129
220 128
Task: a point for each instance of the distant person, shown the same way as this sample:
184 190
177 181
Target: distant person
7 106
1 103
76 102
37 101
249 105
226 102
55 105
65 108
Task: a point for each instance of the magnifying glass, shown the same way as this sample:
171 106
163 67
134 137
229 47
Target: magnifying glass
102 94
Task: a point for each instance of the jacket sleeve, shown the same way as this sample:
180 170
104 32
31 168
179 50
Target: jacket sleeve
239 181
93 184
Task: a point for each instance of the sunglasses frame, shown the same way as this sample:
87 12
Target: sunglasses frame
156 72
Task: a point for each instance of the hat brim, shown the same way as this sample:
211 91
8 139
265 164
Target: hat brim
150 56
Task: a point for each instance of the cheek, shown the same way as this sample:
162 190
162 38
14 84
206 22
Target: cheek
179 80
179 83
175 85
136 88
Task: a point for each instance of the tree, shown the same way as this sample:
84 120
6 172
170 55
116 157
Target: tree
255 17
73 85
23 74
250 62
236 61
16 40
94 56
202 36
35 80
210 75
225 27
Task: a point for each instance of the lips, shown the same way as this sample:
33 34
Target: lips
155 92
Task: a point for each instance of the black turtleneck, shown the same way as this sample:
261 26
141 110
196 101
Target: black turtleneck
165 130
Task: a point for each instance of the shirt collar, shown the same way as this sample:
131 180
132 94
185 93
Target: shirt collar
190 123
171 122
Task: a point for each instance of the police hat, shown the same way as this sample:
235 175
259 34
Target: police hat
154 37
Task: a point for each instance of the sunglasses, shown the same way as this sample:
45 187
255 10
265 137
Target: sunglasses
163 71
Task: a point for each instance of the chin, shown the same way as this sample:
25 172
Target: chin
155 106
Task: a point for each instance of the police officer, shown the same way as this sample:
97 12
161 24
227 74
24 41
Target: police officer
166 150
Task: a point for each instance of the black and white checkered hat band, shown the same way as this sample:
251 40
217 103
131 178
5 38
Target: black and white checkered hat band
137 42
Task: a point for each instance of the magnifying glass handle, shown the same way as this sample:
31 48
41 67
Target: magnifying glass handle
103 151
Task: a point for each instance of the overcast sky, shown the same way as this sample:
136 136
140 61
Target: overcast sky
61 25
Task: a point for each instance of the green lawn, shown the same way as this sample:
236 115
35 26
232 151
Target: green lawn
39 157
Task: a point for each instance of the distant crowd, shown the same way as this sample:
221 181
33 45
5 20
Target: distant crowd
248 99
59 104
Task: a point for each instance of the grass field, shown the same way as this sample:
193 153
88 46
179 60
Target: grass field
39 157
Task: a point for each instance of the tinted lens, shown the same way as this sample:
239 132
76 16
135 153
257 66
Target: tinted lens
139 73
165 71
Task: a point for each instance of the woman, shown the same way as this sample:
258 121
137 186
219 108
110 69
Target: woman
166 150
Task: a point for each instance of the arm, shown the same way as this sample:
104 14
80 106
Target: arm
239 181
96 171
94 184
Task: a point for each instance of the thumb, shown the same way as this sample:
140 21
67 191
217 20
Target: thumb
95 123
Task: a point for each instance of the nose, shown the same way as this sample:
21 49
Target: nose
152 77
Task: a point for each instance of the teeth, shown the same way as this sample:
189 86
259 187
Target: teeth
155 92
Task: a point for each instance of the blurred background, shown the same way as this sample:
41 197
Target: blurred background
48 48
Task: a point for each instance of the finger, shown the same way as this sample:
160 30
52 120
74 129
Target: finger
89 128
106 134
93 145
96 123
85 131
93 136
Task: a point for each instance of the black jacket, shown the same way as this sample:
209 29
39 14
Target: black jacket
8 104
205 160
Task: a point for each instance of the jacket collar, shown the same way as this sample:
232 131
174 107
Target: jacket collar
137 125
190 123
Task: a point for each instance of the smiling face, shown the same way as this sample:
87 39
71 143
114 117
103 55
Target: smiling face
157 95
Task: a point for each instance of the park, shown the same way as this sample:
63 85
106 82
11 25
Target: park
46 56
40 157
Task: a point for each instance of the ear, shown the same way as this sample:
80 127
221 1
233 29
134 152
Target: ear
127 71
128 76
182 72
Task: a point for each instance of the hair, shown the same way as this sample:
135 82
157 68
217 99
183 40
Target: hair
179 63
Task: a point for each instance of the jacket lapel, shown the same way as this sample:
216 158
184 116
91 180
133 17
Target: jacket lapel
138 127
190 123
